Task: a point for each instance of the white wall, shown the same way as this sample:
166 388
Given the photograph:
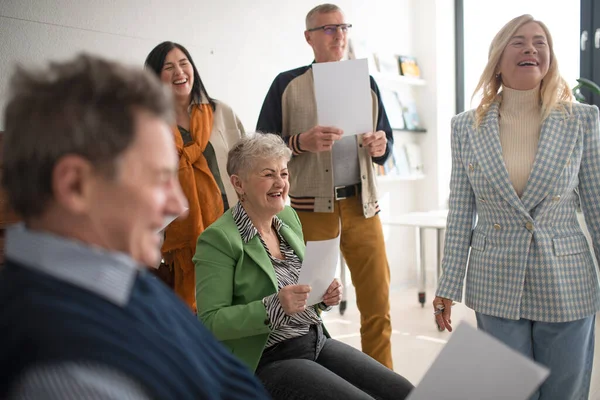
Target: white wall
436 50
425 29
237 45
388 28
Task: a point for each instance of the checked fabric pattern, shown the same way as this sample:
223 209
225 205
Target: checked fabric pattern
524 257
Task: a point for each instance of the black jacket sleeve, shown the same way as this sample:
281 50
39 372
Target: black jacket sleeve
382 125
270 119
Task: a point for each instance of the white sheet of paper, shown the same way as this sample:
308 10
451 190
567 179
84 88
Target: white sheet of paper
343 95
318 268
475 366
170 219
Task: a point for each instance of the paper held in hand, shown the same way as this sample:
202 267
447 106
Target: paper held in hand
343 95
476 366
319 266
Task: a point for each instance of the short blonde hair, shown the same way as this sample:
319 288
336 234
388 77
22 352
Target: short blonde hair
320 9
243 155
554 90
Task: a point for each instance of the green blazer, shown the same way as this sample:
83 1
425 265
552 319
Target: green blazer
232 278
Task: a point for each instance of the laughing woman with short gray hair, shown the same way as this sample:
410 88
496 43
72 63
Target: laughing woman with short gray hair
247 268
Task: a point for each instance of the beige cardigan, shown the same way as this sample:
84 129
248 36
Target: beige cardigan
226 131
311 174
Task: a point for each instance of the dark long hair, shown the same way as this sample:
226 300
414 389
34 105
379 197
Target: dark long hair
156 60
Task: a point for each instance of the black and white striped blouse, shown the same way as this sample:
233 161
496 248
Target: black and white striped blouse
287 271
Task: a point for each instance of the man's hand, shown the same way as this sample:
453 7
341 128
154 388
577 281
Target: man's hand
375 142
320 138
293 298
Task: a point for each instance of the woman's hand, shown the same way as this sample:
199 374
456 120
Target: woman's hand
293 298
442 308
333 295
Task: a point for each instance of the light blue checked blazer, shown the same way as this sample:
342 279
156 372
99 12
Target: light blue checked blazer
528 256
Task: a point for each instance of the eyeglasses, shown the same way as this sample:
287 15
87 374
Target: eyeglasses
332 29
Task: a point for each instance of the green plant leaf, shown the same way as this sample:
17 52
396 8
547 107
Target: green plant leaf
590 85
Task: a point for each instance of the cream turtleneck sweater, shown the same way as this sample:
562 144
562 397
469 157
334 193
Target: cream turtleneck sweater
520 123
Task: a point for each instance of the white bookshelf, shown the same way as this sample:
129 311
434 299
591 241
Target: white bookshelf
396 82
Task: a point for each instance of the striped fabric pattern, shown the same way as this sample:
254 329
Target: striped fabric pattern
302 203
527 257
283 326
77 380
308 204
294 144
75 263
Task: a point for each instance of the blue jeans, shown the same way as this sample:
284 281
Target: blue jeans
315 367
567 348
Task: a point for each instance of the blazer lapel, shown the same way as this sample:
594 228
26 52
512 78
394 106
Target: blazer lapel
293 240
558 135
258 254
488 151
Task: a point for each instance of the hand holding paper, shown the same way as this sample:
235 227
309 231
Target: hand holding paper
318 267
293 298
333 295
375 142
320 138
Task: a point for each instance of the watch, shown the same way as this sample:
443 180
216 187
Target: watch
267 320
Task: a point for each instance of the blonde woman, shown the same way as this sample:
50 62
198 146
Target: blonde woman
522 163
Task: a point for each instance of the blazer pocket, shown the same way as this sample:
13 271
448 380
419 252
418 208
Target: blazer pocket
478 241
564 246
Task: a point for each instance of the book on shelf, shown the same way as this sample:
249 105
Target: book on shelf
358 49
412 122
387 64
396 165
402 165
393 108
413 155
408 66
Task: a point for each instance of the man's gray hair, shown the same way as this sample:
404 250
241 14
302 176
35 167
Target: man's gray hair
85 107
320 9
256 146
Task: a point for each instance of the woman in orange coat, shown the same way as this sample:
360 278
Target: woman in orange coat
206 129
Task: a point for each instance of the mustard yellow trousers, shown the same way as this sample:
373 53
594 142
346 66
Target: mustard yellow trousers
363 247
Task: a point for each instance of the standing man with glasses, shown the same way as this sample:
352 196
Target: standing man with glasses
332 179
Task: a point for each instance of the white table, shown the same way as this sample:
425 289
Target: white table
421 221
